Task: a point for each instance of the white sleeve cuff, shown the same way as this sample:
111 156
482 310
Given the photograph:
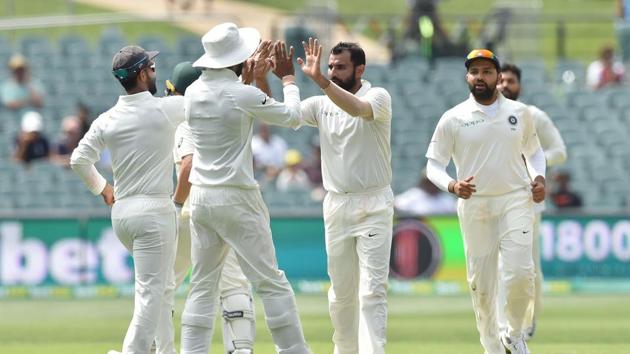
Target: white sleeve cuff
90 176
537 165
436 172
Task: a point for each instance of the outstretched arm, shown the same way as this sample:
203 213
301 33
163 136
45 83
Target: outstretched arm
345 100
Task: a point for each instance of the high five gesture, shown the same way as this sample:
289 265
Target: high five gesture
311 64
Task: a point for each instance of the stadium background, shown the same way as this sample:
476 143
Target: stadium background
65 281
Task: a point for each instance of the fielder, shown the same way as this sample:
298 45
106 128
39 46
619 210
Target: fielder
143 214
487 137
226 207
354 121
239 326
555 154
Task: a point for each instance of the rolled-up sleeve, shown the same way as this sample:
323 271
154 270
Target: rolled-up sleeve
86 154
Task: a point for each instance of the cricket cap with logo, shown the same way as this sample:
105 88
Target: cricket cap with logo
183 75
482 54
129 60
226 45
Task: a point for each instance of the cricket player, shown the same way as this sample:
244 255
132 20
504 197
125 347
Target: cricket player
354 121
239 326
488 137
143 214
226 207
555 154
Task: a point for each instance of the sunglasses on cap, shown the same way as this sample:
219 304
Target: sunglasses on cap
481 53
134 69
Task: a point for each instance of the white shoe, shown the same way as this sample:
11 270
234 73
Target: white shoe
514 346
242 351
113 352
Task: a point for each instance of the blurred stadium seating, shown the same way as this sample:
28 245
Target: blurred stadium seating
595 125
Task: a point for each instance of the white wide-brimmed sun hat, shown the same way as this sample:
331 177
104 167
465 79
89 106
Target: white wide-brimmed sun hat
227 45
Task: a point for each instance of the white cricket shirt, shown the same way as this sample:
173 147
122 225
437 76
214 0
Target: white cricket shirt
220 111
356 153
549 136
138 131
490 149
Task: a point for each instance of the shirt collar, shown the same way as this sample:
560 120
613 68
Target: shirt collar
135 97
472 105
365 86
213 74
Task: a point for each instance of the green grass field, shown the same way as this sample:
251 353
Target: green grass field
593 324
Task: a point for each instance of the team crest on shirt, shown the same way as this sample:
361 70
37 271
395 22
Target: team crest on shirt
179 144
512 120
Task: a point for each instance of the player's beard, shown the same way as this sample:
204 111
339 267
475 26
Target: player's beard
482 94
152 87
347 85
509 94
238 69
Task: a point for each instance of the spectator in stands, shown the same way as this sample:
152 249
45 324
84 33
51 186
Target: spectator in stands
313 169
292 177
562 196
31 144
269 152
622 26
605 71
83 115
20 91
425 199
72 133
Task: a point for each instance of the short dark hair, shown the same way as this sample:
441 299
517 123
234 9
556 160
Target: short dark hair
513 69
357 55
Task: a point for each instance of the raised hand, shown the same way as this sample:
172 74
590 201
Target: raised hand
283 60
262 59
464 189
311 63
247 75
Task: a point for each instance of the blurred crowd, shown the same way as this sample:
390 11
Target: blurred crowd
25 97
277 165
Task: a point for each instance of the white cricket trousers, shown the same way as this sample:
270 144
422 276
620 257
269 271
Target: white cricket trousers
232 278
233 283
535 304
223 217
358 243
493 226
146 226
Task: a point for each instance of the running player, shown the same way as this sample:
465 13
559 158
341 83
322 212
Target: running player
487 136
